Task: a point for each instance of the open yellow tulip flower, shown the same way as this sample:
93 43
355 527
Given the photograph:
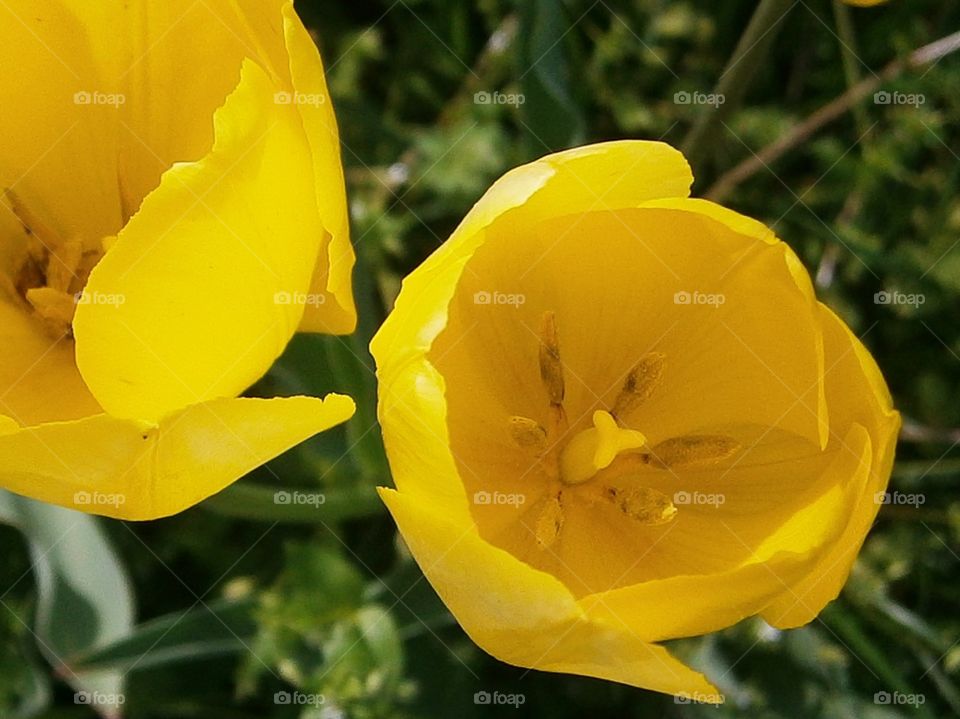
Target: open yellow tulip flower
172 210
616 416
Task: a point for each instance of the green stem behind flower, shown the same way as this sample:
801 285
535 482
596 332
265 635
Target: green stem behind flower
754 44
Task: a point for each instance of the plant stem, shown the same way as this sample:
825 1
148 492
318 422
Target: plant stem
753 46
828 113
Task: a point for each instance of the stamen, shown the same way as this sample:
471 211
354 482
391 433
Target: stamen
32 224
53 270
693 451
54 307
642 504
551 369
640 384
550 522
527 433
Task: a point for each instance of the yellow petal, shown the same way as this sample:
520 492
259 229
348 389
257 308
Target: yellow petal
559 183
139 470
39 381
799 533
58 154
414 420
213 270
856 393
176 63
525 617
332 277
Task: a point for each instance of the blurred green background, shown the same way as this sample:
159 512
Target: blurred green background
231 608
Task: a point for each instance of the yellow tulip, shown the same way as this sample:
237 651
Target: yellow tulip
616 415
172 210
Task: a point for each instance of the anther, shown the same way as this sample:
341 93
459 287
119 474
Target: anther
693 451
642 504
527 433
550 522
640 384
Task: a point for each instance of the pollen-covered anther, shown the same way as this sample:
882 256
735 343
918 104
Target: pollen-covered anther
642 504
694 451
551 368
641 382
527 433
550 522
52 271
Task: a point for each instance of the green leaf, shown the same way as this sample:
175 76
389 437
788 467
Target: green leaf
221 627
549 109
84 595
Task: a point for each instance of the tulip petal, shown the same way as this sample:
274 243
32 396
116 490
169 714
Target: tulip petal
173 83
59 153
332 278
525 617
216 258
856 392
414 423
530 193
691 604
139 470
39 381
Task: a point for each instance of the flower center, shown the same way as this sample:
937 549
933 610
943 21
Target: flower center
52 272
607 455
